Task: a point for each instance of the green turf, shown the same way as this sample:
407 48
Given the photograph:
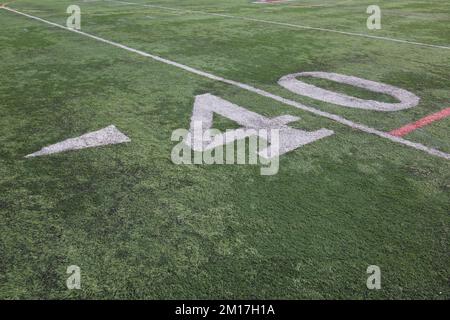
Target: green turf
141 227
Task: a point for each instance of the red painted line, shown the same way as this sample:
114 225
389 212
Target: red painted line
400 132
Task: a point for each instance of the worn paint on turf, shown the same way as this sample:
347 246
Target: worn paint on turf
400 132
406 98
103 137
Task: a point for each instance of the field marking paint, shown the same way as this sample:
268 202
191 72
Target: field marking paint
103 137
249 88
298 26
406 98
400 132
207 104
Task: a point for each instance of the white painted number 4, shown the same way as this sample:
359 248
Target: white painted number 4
253 124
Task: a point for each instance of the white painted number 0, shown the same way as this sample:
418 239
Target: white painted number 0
406 98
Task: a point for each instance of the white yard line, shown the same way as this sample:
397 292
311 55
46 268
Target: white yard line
298 26
249 88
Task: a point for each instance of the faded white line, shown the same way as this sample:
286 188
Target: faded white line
285 24
249 88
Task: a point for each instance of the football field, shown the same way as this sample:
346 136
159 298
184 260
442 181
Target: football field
362 178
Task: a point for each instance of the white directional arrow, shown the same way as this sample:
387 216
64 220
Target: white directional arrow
105 136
